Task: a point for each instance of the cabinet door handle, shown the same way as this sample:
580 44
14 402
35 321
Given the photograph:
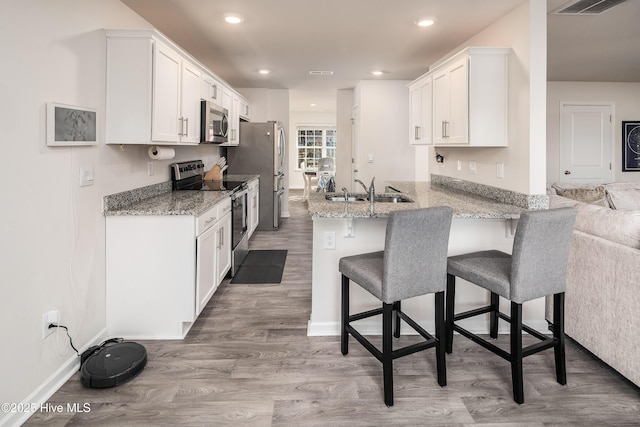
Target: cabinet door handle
445 129
417 133
186 133
181 126
214 91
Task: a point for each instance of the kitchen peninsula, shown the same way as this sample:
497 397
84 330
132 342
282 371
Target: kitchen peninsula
483 218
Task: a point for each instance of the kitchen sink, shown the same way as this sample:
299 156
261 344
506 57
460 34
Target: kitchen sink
361 197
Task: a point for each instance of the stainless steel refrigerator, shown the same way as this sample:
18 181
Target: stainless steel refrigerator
261 151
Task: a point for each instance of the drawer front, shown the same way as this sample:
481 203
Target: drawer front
206 220
212 216
224 207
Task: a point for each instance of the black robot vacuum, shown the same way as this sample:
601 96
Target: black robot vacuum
111 363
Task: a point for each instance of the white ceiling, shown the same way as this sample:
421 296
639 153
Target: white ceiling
351 38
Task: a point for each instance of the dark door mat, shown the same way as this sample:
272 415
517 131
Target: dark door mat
261 266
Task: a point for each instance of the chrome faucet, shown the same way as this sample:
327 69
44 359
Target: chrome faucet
346 193
371 191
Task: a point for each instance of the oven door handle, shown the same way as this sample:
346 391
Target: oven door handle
239 194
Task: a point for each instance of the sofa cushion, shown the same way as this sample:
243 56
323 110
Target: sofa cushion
623 195
620 226
594 195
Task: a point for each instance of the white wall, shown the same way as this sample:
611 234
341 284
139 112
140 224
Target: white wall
524 30
53 231
383 132
626 97
344 127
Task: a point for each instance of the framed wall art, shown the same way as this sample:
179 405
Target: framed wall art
631 146
71 125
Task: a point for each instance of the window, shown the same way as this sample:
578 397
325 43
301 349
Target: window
314 143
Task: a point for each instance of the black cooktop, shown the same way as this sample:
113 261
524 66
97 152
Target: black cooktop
198 183
190 176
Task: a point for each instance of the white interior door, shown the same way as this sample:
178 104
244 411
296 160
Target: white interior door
586 142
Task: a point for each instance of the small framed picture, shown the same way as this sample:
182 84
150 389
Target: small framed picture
631 146
71 125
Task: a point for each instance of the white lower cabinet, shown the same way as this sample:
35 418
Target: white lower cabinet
161 271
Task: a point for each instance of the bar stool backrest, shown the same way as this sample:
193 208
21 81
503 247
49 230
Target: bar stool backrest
541 253
415 257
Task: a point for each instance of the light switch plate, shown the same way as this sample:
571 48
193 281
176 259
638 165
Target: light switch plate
500 170
86 177
473 167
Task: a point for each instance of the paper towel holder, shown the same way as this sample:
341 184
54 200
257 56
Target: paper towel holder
158 153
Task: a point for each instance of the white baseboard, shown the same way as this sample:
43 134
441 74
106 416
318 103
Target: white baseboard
52 384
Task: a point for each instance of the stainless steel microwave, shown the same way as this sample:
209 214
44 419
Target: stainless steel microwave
214 123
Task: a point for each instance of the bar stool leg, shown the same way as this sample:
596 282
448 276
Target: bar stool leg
493 317
516 352
440 337
451 294
387 349
396 309
558 334
344 334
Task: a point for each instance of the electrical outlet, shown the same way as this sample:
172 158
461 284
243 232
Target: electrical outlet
459 165
51 316
150 168
500 170
329 240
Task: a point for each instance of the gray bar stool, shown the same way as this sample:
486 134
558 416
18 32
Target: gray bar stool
537 268
414 262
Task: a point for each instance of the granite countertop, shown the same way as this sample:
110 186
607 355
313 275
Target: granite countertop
424 194
158 199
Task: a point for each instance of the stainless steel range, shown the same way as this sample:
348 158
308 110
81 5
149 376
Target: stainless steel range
190 176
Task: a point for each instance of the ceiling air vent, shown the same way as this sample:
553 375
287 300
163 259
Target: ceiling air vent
586 7
321 73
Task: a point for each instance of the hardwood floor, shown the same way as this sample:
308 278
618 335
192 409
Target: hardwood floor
248 361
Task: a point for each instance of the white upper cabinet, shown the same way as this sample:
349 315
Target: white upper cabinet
237 107
176 98
154 90
245 109
190 107
211 89
420 106
470 97
450 104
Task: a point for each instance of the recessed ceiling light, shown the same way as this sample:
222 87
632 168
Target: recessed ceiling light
425 22
264 71
312 105
233 19
377 72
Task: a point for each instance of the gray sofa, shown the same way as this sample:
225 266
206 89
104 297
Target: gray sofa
602 300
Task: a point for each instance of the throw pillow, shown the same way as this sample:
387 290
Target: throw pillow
627 199
594 195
